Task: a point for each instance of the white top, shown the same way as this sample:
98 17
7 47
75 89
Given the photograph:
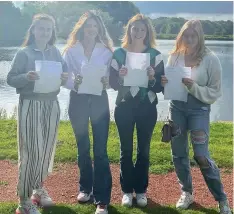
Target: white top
75 58
207 77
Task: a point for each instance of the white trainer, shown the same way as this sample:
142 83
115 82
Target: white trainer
186 199
224 207
141 199
83 197
27 207
127 199
101 209
40 197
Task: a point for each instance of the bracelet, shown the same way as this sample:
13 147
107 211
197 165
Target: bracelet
152 82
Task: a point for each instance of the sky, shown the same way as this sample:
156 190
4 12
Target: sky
204 10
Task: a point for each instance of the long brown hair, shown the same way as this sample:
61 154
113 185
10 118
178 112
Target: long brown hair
77 34
201 49
150 39
29 39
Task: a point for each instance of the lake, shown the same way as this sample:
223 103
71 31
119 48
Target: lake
221 110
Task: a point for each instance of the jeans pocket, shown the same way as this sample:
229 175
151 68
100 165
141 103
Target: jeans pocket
205 108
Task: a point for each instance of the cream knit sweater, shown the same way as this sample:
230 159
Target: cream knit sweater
207 77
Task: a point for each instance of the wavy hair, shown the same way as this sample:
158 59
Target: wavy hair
201 49
77 34
30 38
150 39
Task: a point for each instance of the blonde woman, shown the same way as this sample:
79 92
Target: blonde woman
204 89
136 105
90 45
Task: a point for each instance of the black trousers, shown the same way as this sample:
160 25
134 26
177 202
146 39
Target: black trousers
144 115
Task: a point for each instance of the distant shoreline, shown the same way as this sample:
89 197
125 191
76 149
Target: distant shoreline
207 37
158 37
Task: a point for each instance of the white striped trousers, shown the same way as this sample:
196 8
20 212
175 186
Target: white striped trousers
37 134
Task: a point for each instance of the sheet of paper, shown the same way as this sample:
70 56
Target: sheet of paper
50 74
137 64
91 82
175 89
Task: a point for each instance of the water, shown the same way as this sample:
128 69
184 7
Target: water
221 110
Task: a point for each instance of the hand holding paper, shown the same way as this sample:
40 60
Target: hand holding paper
32 76
188 82
137 64
123 71
92 79
49 73
174 88
151 73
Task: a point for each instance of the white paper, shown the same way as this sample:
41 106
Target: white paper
175 89
91 82
137 64
50 76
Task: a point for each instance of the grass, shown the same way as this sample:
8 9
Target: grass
221 147
221 150
7 208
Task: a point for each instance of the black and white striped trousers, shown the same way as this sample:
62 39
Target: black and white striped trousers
37 133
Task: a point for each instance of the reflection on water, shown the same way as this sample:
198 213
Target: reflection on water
221 110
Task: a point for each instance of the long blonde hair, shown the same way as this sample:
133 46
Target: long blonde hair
150 39
201 49
30 38
77 34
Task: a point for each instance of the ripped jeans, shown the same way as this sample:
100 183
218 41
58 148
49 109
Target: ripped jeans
194 118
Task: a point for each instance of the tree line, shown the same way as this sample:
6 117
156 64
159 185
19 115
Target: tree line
14 22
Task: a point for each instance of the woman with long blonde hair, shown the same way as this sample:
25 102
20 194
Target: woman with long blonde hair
90 46
136 105
204 88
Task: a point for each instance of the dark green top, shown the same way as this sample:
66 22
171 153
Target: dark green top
119 56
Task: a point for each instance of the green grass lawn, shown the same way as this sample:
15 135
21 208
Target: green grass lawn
221 149
9 208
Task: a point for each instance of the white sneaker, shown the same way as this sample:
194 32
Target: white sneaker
141 199
27 207
101 209
186 199
127 199
224 207
40 197
83 197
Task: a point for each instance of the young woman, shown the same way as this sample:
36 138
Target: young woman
136 105
204 89
89 45
38 113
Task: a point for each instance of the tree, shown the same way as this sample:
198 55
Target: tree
13 25
121 11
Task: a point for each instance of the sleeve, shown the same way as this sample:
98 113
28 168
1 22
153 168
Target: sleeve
110 55
155 85
17 76
212 91
70 68
114 79
64 64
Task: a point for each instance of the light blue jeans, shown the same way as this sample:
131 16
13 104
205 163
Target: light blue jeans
194 116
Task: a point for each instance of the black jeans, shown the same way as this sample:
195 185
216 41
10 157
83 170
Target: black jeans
81 108
144 115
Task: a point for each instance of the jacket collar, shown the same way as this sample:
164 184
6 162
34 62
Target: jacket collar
35 48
